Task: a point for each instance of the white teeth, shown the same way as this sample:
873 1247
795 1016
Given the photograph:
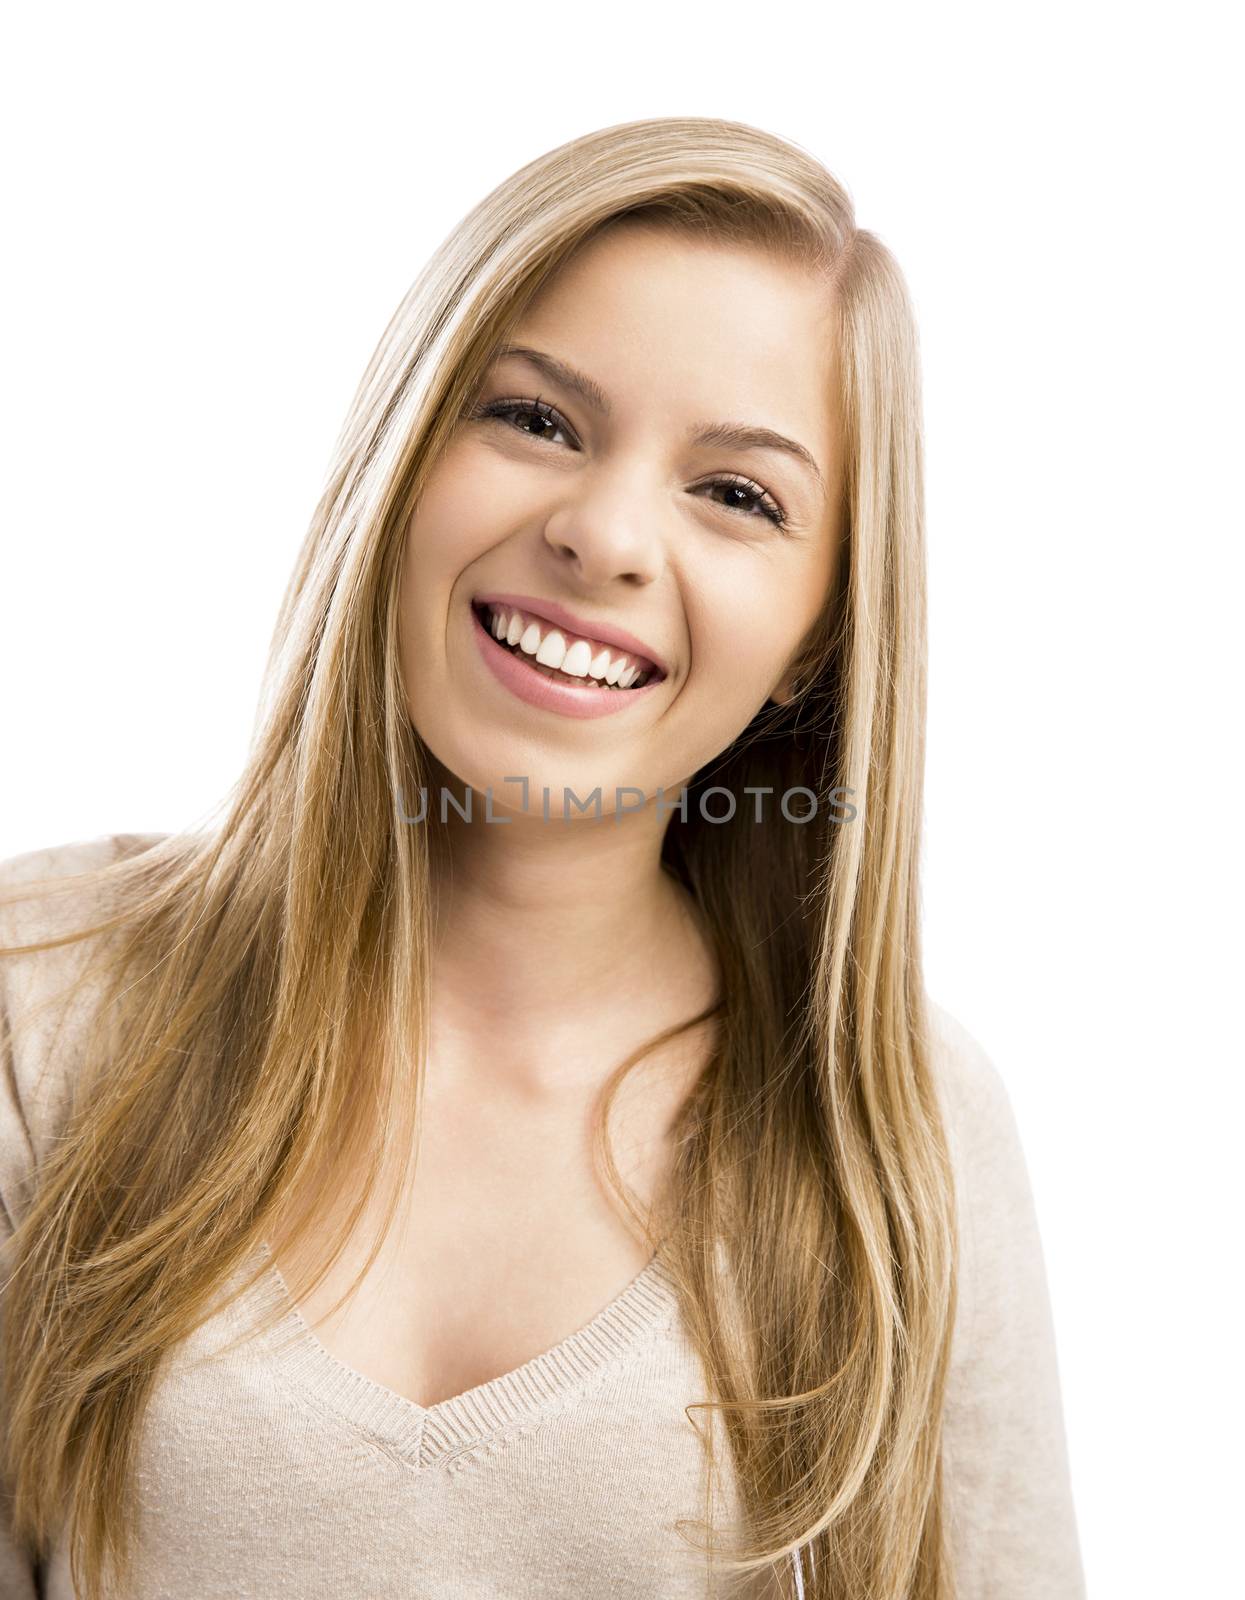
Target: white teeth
577 659
550 650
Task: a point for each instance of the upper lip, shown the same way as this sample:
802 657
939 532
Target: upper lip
583 627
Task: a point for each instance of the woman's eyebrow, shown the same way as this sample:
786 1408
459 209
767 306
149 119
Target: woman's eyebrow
589 392
730 435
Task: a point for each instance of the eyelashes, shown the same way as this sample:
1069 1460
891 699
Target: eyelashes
761 501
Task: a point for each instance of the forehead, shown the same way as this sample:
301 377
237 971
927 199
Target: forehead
694 325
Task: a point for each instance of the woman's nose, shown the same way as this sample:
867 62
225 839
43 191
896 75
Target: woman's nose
609 533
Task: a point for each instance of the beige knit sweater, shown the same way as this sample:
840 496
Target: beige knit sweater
280 1471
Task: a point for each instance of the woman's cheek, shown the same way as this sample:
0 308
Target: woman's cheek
737 664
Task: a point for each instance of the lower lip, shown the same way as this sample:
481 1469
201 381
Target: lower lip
545 692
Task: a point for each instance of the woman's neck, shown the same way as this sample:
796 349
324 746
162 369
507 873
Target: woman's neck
559 946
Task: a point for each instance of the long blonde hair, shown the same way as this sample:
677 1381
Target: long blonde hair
263 977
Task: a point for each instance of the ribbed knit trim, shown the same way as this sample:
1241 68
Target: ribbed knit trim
425 1435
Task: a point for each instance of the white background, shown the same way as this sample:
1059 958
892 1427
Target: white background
213 213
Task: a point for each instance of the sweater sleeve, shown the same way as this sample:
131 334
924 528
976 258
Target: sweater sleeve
17 1569
1011 1519
34 1074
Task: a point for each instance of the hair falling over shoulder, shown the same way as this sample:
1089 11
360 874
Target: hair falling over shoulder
263 985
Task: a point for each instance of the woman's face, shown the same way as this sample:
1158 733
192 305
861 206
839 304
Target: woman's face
617 471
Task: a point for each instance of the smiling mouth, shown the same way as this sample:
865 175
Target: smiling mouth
583 682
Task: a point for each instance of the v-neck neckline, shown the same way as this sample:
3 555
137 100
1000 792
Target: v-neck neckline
453 1430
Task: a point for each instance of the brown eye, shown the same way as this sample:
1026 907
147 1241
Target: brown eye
754 499
532 416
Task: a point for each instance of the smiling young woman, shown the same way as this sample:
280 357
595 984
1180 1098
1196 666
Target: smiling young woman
563 1186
